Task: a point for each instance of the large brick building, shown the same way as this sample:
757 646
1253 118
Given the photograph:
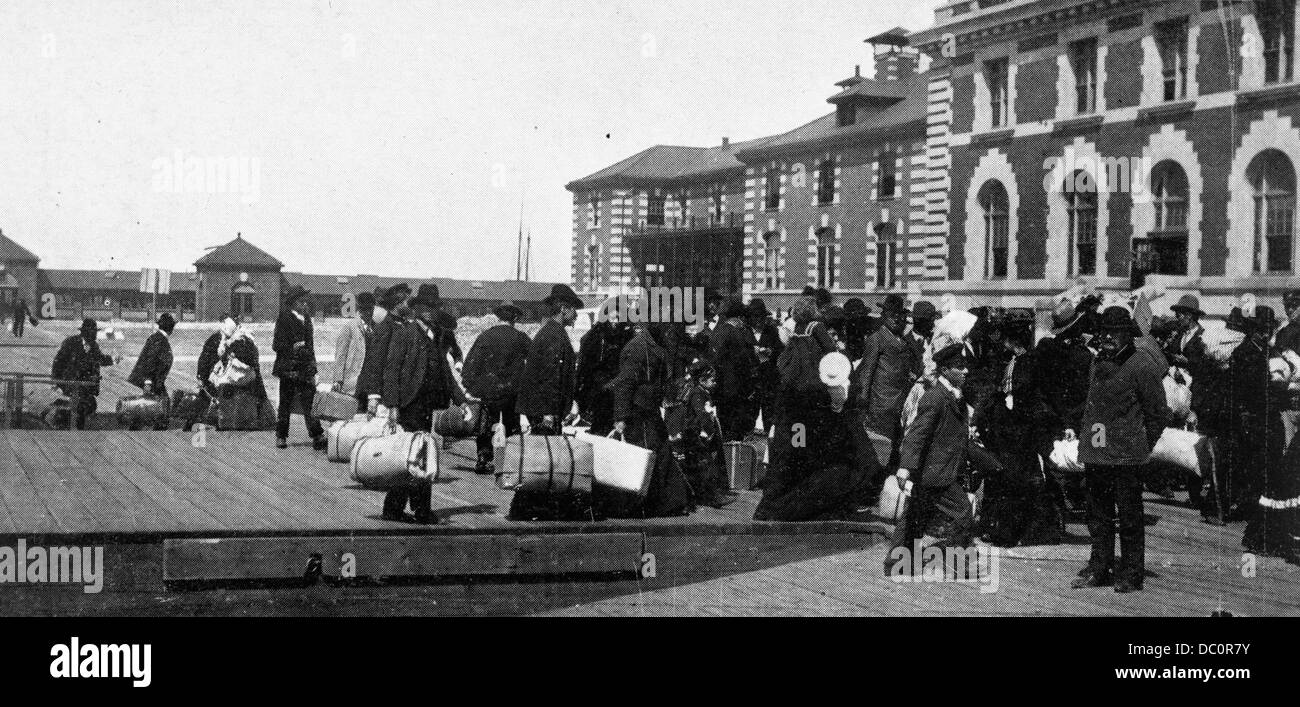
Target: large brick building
829 203
1114 141
1048 143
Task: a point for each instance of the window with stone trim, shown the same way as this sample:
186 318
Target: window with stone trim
1276 20
997 76
887 168
1272 181
826 181
1083 60
1171 38
593 265
772 189
997 229
826 248
1081 211
771 261
887 256
1166 247
594 219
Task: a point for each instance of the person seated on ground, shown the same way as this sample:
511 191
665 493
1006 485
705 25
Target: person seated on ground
696 439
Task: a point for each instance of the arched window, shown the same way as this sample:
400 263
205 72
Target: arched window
826 258
1081 208
997 228
1272 179
1166 247
886 256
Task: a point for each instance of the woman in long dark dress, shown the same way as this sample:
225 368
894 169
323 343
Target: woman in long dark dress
1274 525
814 472
227 343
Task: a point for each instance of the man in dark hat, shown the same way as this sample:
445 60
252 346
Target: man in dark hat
22 315
731 349
767 377
355 337
391 314
919 336
1122 420
492 373
547 388
1066 355
714 301
1248 381
78 360
933 457
880 386
598 355
155 362
295 365
858 325
417 381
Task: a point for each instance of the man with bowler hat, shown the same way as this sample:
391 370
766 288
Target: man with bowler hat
79 359
492 372
295 365
1122 420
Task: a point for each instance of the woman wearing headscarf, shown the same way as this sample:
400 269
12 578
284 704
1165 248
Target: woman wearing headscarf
231 349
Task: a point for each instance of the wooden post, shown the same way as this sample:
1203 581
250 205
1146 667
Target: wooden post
18 401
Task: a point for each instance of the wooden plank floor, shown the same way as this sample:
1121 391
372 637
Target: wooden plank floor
147 483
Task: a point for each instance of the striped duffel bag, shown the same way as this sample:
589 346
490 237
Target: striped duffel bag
395 461
557 463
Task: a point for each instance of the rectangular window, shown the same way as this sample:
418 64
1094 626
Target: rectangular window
845 114
1083 231
772 190
717 206
1083 58
595 211
656 213
996 75
826 182
1276 20
826 265
888 170
1279 231
1171 37
999 231
887 257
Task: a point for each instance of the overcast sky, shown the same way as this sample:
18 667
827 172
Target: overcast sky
393 138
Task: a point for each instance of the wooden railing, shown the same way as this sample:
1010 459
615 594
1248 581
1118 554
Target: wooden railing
14 386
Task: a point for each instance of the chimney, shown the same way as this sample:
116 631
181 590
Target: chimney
726 143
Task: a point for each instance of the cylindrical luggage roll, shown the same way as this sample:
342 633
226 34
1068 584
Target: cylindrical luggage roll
452 423
343 436
395 461
141 410
545 463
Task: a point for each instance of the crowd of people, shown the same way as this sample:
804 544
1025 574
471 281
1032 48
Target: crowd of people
942 413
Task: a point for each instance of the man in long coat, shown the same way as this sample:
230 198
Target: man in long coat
354 337
879 388
547 389
598 353
492 372
295 365
391 315
155 363
417 381
731 349
935 449
79 359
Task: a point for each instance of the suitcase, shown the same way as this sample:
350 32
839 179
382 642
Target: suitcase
332 405
452 423
395 461
893 500
136 411
745 463
243 411
545 463
619 464
343 436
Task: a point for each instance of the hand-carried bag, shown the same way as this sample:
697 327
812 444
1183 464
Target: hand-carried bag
234 373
